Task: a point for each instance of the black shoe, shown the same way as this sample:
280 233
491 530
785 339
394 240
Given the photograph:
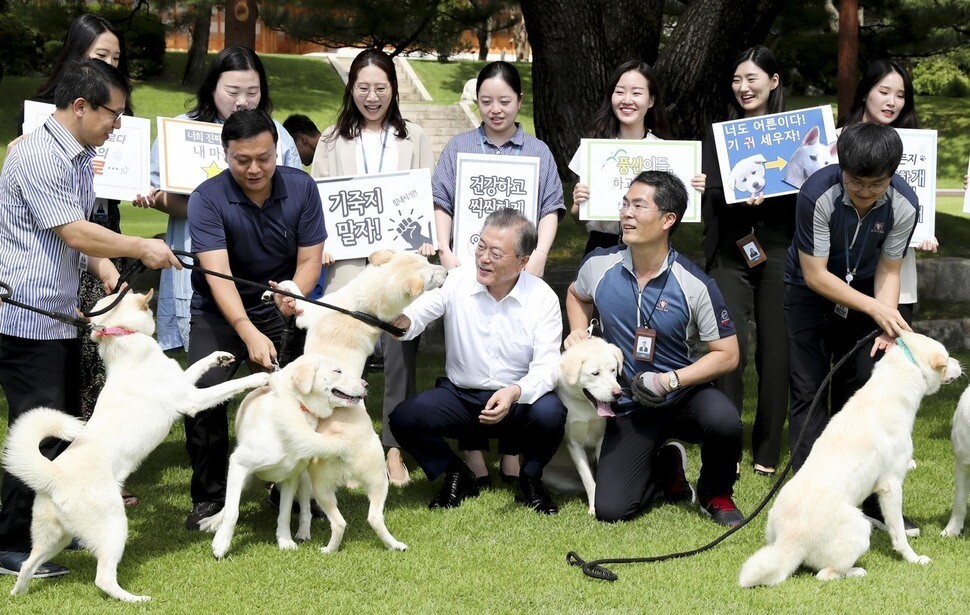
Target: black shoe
457 486
873 514
722 510
11 561
535 496
483 482
315 511
508 479
672 474
202 510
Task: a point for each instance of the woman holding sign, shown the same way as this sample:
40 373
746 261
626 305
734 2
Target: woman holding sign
753 289
633 109
371 136
885 96
236 80
499 93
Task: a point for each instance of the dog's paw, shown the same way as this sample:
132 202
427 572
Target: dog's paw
138 599
855 573
327 550
219 547
302 536
286 544
591 510
952 530
224 359
397 546
922 560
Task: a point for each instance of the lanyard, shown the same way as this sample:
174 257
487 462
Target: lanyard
638 294
363 151
481 144
850 272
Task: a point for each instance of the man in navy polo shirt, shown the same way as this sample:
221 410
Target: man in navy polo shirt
258 222
853 224
658 307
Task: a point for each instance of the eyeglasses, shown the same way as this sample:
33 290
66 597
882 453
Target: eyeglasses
380 90
493 253
116 114
636 207
874 187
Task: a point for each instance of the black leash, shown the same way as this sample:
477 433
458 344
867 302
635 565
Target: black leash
364 317
596 570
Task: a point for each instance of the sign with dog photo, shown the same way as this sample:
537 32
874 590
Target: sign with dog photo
918 169
121 165
773 154
485 183
609 165
367 213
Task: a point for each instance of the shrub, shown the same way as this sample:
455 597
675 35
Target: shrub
940 77
19 45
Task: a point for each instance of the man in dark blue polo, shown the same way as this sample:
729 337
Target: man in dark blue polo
258 222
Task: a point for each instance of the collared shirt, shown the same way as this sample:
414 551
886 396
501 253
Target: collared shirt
828 224
492 344
175 285
682 304
476 142
262 242
47 181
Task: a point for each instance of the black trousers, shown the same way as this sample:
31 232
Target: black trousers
625 482
757 295
422 423
818 338
34 373
207 433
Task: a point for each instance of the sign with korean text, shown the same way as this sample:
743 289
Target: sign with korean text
121 164
773 154
485 183
367 213
918 169
189 153
609 165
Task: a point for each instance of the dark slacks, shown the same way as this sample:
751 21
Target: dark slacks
207 433
757 295
34 373
817 338
625 480
422 423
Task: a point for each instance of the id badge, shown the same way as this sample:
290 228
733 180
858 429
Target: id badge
842 311
751 250
643 345
100 213
82 262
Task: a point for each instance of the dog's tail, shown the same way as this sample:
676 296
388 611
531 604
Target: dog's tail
21 455
770 565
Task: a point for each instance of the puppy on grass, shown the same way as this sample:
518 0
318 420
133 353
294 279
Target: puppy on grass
78 492
866 448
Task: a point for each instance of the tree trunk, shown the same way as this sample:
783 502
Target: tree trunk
484 38
196 63
241 17
576 44
694 67
848 54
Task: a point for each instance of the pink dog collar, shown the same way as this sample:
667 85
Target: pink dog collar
113 331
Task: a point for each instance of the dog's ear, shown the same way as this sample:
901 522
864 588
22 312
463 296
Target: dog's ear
380 257
811 137
619 359
415 286
938 362
571 366
303 376
144 299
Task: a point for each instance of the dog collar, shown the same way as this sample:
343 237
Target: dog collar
113 331
906 350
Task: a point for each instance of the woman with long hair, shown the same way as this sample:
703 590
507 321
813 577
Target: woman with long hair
371 136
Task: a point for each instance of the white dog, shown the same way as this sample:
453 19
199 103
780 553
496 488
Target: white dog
748 175
864 449
276 437
587 385
960 439
77 493
810 156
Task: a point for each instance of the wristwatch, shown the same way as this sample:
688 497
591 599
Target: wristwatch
673 380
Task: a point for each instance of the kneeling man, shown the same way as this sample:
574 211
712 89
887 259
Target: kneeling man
503 328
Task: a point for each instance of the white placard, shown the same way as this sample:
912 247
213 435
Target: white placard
966 193
121 165
918 169
367 213
485 183
189 153
609 165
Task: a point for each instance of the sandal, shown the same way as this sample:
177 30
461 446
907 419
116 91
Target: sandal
761 470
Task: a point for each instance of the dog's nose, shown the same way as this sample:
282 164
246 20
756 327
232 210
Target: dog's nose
617 393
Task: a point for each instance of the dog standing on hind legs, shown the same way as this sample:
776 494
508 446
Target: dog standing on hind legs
144 393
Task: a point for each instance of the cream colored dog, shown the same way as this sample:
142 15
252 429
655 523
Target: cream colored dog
276 437
587 385
865 448
77 493
960 440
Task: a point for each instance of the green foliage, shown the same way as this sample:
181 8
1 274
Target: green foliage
940 77
19 45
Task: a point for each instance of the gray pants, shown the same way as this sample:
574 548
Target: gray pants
400 359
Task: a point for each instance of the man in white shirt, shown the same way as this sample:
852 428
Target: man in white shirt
503 328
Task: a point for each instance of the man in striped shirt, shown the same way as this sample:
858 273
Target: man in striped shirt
46 198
